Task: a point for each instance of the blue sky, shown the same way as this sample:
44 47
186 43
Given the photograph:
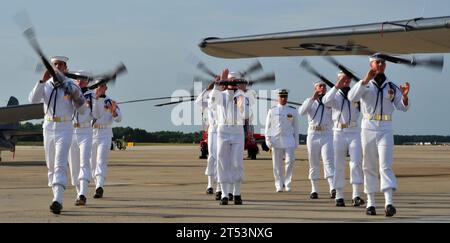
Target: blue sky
155 38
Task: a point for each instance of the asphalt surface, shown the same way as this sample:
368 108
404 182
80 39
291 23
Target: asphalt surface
167 184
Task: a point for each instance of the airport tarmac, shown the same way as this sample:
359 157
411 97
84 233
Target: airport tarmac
167 184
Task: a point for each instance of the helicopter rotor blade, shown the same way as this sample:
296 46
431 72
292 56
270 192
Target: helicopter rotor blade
151 99
175 102
269 99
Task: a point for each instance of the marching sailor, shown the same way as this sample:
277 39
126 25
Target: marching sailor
80 151
61 96
346 137
320 139
211 167
232 107
379 97
282 137
106 111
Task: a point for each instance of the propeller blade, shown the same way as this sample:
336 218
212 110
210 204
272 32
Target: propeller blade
175 102
267 78
256 66
436 63
109 77
202 66
150 99
77 76
305 64
30 35
344 69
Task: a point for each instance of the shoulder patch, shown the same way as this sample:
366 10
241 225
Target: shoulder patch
293 107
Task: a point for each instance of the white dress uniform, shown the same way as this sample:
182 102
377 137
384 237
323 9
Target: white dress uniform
377 105
101 139
211 167
282 136
319 141
230 137
346 137
59 106
80 151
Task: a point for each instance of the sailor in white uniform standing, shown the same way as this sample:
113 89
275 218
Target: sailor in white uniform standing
106 111
80 151
211 167
282 136
320 139
346 137
379 97
232 107
61 96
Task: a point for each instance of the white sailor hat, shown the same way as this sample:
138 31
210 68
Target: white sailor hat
282 92
376 57
340 73
83 73
59 58
234 75
319 82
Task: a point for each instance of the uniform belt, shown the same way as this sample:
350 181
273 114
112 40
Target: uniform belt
58 118
82 125
101 126
346 125
378 117
319 128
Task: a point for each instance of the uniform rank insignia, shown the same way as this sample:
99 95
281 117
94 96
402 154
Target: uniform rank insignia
290 117
66 96
391 94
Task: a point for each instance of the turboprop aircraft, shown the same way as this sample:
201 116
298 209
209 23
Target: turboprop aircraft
10 116
418 35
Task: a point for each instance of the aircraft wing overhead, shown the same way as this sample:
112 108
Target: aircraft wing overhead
421 35
17 113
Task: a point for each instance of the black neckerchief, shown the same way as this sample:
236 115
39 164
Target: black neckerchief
84 90
102 96
345 91
318 107
380 78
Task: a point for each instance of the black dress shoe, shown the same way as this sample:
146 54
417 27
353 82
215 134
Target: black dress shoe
314 195
56 207
98 192
371 211
237 200
390 210
209 191
230 196
333 194
357 201
218 195
224 201
340 202
81 201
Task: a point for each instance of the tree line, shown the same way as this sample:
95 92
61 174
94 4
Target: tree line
142 136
